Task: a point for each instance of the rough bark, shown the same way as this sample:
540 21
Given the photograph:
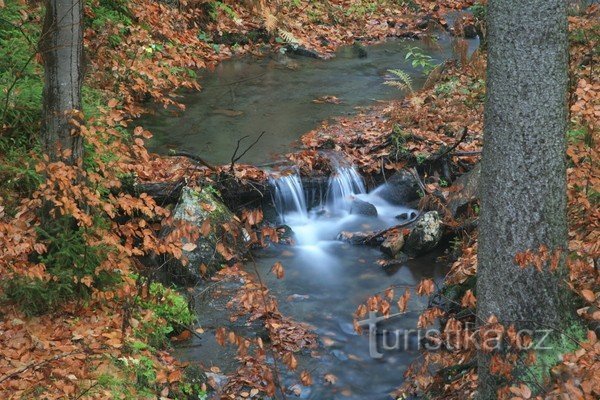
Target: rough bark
523 173
61 48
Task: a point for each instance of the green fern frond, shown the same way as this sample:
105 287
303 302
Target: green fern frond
401 79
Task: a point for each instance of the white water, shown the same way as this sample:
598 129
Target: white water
344 185
289 196
315 230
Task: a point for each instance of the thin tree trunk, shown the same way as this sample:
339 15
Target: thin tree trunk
61 47
523 174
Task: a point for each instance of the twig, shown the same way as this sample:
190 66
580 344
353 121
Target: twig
454 146
38 364
235 159
193 157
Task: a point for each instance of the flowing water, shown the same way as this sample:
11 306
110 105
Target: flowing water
325 279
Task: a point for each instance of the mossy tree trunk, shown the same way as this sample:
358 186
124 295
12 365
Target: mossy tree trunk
523 174
61 48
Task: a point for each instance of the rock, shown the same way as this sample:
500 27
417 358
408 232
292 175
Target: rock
303 51
286 233
469 31
425 235
195 207
354 237
216 381
401 188
406 216
464 190
360 50
393 244
360 207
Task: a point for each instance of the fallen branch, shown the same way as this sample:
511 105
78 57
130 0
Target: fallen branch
193 157
371 239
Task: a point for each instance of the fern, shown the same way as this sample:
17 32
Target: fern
400 80
288 37
271 20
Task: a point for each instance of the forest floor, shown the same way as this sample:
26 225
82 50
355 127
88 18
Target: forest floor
140 51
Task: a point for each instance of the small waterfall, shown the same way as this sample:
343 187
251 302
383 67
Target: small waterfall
344 184
289 196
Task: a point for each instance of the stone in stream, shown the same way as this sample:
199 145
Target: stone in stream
360 207
406 216
425 235
300 50
353 237
196 206
216 381
400 189
392 245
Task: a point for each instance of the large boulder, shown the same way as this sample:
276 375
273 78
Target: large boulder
425 235
360 207
401 188
195 207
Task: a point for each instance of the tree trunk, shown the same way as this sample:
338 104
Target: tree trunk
523 174
61 47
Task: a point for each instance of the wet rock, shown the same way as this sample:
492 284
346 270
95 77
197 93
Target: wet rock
464 191
469 31
285 233
392 245
195 207
303 51
216 381
401 188
360 207
425 235
406 216
360 50
354 237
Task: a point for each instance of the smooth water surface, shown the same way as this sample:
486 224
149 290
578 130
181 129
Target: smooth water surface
246 96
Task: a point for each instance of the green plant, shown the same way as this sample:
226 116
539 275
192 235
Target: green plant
219 5
172 312
362 8
421 157
479 11
419 59
72 264
401 80
399 138
446 88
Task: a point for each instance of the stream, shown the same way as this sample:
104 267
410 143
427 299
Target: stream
325 279
275 94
